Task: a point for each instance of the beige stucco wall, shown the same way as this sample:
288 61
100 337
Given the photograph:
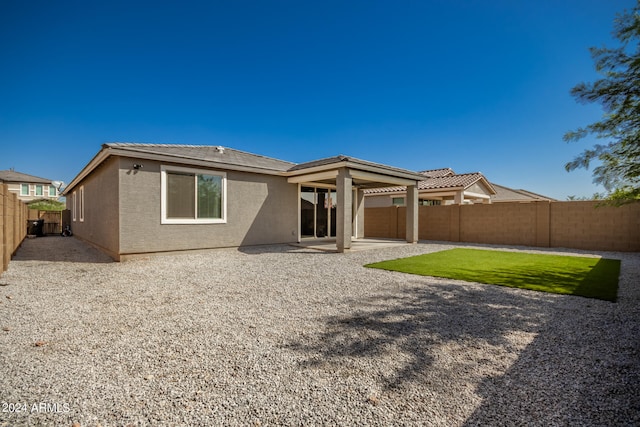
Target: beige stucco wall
101 221
16 187
382 201
261 209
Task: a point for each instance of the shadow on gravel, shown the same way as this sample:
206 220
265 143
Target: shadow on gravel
574 372
414 321
59 249
583 368
280 248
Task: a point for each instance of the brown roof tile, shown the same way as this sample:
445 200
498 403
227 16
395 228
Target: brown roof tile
441 182
434 173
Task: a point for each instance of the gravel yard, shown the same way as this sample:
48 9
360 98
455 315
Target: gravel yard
279 335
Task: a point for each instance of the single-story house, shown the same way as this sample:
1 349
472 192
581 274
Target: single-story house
437 187
134 199
29 187
506 194
445 187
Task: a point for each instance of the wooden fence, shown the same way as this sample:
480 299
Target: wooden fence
572 224
13 225
52 220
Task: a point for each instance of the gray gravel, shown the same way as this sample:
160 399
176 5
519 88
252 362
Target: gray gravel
279 335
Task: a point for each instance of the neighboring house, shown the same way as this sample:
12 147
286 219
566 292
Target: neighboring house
438 187
29 187
133 199
506 194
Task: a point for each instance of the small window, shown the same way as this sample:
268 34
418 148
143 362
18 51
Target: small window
430 202
73 206
81 203
52 191
39 190
24 189
397 201
192 196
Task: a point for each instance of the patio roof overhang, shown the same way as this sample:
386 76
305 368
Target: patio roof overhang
348 174
363 174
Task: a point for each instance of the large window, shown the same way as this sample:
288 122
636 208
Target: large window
193 196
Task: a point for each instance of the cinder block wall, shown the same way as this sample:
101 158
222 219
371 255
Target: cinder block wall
585 225
13 225
579 225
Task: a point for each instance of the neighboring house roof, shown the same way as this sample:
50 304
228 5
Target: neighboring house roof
13 176
435 173
441 181
506 194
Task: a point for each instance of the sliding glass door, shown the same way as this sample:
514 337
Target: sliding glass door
317 212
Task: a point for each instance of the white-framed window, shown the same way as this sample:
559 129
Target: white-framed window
81 203
193 196
52 191
397 201
73 206
39 190
24 189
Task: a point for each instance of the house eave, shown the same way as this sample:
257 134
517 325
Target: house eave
107 152
190 161
397 176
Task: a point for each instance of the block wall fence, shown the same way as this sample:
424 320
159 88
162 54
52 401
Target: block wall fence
572 224
13 225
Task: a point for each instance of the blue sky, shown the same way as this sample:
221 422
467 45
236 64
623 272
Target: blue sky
472 85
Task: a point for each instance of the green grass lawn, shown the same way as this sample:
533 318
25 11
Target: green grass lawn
572 275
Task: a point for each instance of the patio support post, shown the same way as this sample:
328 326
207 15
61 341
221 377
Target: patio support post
360 214
458 198
412 214
344 210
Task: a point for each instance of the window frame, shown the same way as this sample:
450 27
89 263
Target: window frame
53 193
81 203
73 207
22 193
401 199
164 169
39 187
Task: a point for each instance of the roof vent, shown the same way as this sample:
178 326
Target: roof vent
220 149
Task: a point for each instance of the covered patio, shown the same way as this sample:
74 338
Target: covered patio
340 183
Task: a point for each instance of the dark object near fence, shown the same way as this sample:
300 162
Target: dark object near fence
66 232
36 227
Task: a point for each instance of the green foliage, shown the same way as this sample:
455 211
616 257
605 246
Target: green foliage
596 196
584 276
619 94
47 205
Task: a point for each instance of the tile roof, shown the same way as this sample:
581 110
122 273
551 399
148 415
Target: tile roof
435 173
442 182
223 157
210 153
464 180
342 158
506 194
13 176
